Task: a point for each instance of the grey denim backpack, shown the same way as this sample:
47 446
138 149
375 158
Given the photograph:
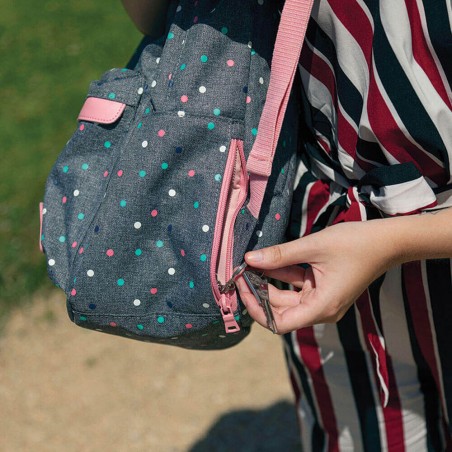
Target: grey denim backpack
158 195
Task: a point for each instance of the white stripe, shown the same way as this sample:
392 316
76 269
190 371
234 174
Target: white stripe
398 346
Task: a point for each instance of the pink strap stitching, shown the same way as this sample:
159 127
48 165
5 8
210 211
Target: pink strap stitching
101 110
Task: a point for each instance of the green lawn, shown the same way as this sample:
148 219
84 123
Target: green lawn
50 50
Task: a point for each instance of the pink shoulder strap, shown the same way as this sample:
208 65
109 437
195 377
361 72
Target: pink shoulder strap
286 53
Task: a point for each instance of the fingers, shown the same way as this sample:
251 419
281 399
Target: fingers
294 275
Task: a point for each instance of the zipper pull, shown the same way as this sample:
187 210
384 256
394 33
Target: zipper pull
230 324
230 285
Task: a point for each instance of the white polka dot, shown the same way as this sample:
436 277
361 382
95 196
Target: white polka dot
144 143
90 273
261 80
250 44
171 271
222 148
44 211
244 312
221 336
181 114
183 42
137 302
153 84
259 233
206 305
179 9
157 60
76 192
140 90
172 193
137 225
260 2
202 89
51 262
205 228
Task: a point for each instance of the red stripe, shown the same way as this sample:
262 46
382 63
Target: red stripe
318 197
392 412
309 352
392 138
412 278
421 52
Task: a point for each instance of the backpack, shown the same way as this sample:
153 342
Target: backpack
175 170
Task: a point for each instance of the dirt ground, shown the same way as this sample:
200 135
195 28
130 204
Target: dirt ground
63 388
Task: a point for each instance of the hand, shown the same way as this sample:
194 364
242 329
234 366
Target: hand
343 260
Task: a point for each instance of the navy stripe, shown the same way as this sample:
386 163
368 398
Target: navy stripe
370 152
398 88
440 290
318 435
439 30
432 406
360 381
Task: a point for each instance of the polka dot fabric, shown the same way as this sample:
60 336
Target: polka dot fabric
133 207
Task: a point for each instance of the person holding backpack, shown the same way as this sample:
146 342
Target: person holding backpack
367 320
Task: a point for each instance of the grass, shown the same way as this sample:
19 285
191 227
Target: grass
50 51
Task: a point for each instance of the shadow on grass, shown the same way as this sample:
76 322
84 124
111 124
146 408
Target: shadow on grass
273 429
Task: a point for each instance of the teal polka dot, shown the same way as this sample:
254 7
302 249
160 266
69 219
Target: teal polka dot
283 170
211 126
217 112
191 284
112 96
218 177
159 244
203 258
82 318
242 211
196 204
85 166
65 169
120 282
62 238
182 67
123 203
161 319
170 35
237 317
81 216
254 131
147 111
142 173
204 58
140 327
140 124
253 52
124 69
224 30
164 165
138 252
107 144
42 237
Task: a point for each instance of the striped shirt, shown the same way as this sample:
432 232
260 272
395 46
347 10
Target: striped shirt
377 77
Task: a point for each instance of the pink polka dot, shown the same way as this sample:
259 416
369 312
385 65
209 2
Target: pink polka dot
64 200
184 98
105 173
154 213
161 133
170 76
230 63
182 253
248 99
278 217
120 173
82 127
191 173
74 244
110 253
154 290
73 292
188 326
80 251
195 20
113 324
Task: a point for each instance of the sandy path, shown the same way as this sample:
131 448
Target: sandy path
63 388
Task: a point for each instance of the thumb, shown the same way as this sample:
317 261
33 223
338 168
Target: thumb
283 255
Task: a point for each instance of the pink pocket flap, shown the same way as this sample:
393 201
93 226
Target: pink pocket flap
103 111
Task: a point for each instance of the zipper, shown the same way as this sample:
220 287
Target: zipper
233 195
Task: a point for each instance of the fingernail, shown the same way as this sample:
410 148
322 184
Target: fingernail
255 256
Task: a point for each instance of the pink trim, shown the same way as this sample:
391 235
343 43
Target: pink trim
41 214
292 29
103 111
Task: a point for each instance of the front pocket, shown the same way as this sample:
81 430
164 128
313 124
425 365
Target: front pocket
79 178
233 195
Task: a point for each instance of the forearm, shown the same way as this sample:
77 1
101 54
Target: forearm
149 16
